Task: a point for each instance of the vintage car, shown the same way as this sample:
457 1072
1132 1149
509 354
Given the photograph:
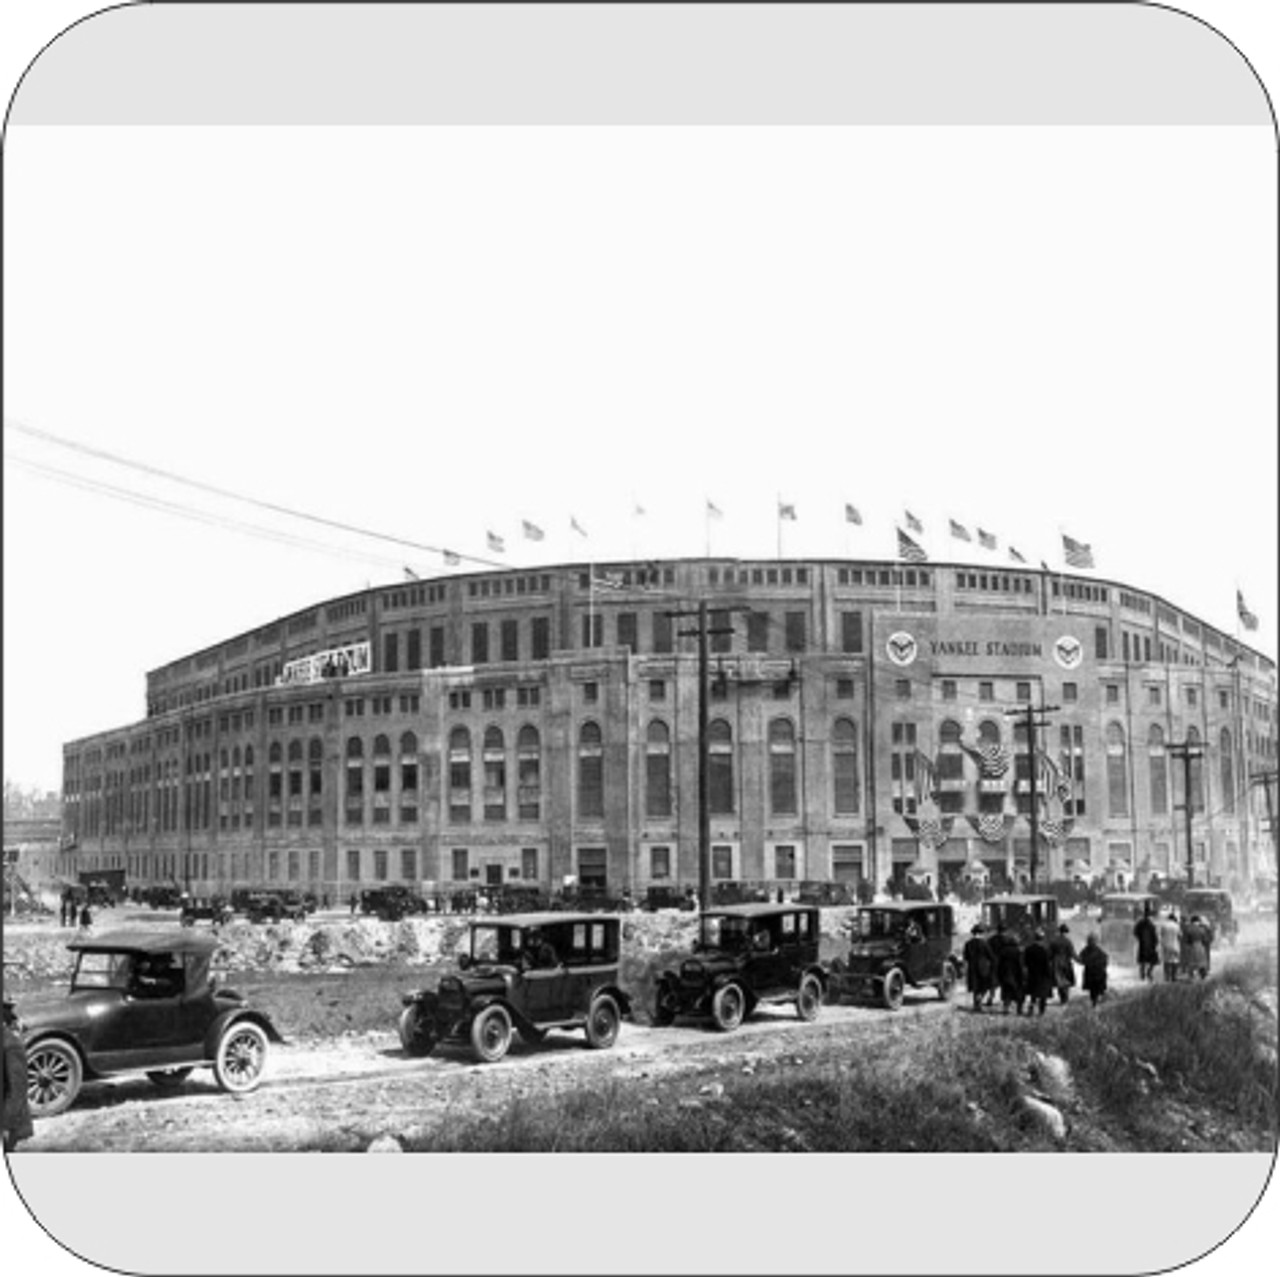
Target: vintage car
747 955
1022 915
141 1002
822 892
1215 907
896 945
213 909
276 906
1117 914
660 896
530 972
393 902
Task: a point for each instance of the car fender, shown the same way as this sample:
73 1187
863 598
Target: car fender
60 1035
232 1016
818 970
622 999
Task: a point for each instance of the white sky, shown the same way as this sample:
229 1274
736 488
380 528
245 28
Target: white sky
438 332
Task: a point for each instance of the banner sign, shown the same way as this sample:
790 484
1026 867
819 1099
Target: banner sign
336 662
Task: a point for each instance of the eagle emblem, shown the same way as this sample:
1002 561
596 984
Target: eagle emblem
1068 652
901 648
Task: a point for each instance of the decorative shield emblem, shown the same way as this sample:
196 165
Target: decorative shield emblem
1068 652
901 648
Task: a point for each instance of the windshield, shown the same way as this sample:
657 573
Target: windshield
720 931
102 971
879 924
495 944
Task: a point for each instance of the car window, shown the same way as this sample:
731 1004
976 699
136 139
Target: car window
102 971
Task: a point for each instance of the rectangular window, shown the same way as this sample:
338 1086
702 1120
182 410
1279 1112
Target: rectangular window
479 643
1070 692
659 862
1153 695
795 631
353 864
986 690
902 689
529 863
784 862
540 637
844 689
590 693
721 861
663 632
510 640
1100 643
1024 692
436 646
390 653
413 649
851 632
948 689
1191 697
408 863
627 631
757 631
460 866
657 689
592 629
593 867
1113 693
720 629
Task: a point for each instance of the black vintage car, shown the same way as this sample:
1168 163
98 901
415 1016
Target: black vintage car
747 955
277 906
214 909
528 972
668 897
896 945
393 902
141 1002
1021 915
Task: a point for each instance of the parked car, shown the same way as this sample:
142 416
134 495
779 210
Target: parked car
818 891
526 972
668 897
1117 914
1021 915
747 955
1215 906
276 906
141 1002
213 909
520 898
393 902
895 945
587 898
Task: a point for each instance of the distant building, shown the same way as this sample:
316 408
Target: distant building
528 725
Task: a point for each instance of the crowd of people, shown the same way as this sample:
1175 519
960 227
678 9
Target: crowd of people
1174 946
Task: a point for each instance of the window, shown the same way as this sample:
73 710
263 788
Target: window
782 767
1072 759
591 693
795 631
408 778
1070 692
510 639
435 643
479 642
1100 643
1227 765
1158 769
592 629
902 689
1192 698
844 689
1154 698
590 771
1112 691
663 632
659 862
459 776
495 775
1197 771
657 689
658 770
1023 692
986 690
844 760
757 631
721 861
353 865
851 632
593 867
354 801
627 630
720 631
390 653
380 864
948 689
784 862
540 637
413 649
461 864
1117 771
315 781
719 767
528 774
529 863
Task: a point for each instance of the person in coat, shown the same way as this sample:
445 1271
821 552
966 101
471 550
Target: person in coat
1170 934
1062 960
1144 932
979 965
1195 948
1011 974
1093 958
1039 969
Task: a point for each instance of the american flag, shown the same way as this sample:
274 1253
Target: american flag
786 511
960 532
909 550
411 575
1015 556
913 523
1248 619
531 530
986 540
926 776
851 514
575 526
713 510
451 559
1076 553
496 543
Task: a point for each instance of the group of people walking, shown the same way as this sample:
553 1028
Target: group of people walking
1027 976
1174 946
72 914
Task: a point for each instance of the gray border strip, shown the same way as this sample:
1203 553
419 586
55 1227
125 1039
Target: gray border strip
1029 64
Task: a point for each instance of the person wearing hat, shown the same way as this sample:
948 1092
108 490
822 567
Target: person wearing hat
1195 955
1093 958
979 965
1062 960
1035 958
1144 932
1170 935
1011 973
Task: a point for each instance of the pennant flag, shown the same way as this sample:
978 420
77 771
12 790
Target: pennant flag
1248 619
411 575
495 543
531 530
1015 556
913 523
452 559
908 549
713 510
786 511
986 540
851 514
1076 553
575 526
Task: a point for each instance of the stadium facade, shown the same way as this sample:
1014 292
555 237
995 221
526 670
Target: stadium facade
865 720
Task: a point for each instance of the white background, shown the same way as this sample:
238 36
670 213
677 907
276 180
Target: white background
992 327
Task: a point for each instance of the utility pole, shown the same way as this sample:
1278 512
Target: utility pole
1188 752
1033 717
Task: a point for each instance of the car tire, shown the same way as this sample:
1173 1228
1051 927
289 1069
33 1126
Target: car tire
947 982
809 998
603 1022
241 1057
168 1079
491 1034
54 1077
728 1007
416 1033
894 986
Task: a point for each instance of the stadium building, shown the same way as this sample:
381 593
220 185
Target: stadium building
865 720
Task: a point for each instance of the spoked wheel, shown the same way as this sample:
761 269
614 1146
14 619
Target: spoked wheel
603 1022
895 985
491 1034
241 1058
168 1079
728 1007
54 1076
416 1033
809 998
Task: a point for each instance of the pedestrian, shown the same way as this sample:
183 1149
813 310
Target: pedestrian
86 918
1011 973
1170 945
1039 971
353 902
1093 958
1195 948
17 1107
979 965
1144 932
1062 958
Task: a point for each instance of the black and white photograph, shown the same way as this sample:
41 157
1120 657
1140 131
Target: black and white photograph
667 580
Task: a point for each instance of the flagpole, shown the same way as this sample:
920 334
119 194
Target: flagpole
777 514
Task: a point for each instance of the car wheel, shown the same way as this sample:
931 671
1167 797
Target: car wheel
894 986
491 1034
54 1075
809 998
728 1007
603 1022
241 1057
168 1079
417 1035
947 982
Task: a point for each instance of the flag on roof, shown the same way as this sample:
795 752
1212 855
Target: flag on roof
411 575
1248 619
639 509
575 526
986 540
1076 553
851 514
713 510
531 530
913 523
786 511
909 549
959 531
452 559
1015 556
496 543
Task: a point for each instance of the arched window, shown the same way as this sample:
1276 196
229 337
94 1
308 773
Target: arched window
354 801
529 773
782 767
657 790
950 755
381 779
719 767
408 778
1227 764
1158 769
1117 771
495 775
989 732
590 771
460 776
844 767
